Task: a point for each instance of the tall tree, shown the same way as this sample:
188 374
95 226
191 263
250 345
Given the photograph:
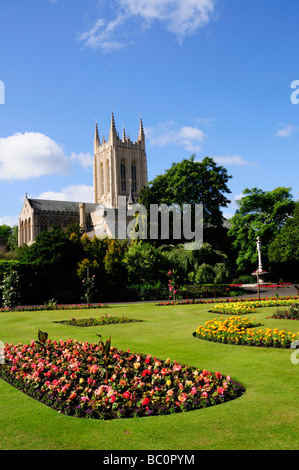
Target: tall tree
192 182
6 234
285 246
260 213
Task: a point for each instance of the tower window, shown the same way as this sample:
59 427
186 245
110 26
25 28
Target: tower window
123 175
134 177
102 179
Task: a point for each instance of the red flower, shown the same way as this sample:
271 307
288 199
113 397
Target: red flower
146 372
145 401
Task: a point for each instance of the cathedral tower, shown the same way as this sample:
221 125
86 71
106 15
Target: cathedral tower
120 166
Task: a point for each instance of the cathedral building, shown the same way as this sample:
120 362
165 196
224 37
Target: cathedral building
119 173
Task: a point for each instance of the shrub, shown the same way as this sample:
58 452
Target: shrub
102 320
291 313
10 289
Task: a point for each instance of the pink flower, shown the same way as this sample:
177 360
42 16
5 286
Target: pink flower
93 369
204 394
177 368
183 398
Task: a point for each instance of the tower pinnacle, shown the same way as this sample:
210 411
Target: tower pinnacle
141 136
96 136
112 133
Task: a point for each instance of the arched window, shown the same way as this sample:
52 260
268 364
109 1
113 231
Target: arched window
123 175
102 179
22 241
58 223
28 237
44 225
108 176
134 177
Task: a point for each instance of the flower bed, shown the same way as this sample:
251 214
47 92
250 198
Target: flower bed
291 313
237 330
235 308
241 307
95 321
35 308
78 379
263 302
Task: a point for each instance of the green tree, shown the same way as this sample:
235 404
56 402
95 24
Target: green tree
5 233
145 263
103 259
192 182
260 213
285 246
13 239
206 265
54 260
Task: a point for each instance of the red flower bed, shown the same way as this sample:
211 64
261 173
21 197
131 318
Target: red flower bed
78 379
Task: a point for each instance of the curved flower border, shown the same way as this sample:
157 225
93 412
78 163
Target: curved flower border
263 302
71 377
243 331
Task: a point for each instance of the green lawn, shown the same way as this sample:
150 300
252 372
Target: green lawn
265 417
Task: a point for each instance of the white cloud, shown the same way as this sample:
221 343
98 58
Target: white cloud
238 197
181 18
168 133
286 131
84 159
235 160
9 220
101 35
77 193
32 154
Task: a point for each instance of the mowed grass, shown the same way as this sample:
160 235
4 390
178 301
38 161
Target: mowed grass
265 417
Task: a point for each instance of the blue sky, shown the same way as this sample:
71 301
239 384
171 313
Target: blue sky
209 77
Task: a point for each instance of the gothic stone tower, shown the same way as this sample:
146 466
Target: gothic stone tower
120 167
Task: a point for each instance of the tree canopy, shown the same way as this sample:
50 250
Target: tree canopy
260 213
285 246
191 182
